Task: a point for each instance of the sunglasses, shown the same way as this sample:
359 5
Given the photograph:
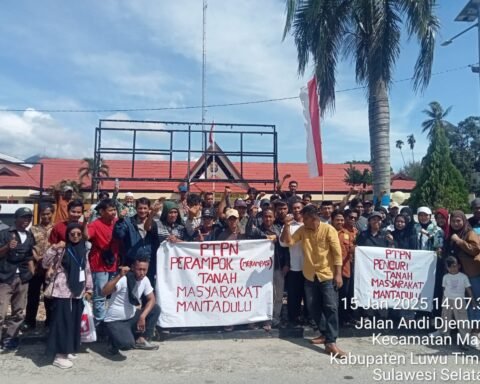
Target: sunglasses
352 217
75 234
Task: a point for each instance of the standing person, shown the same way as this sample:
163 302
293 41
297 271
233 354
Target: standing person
62 201
41 233
430 235
232 229
367 208
326 210
306 198
357 206
322 269
192 219
270 229
75 211
72 281
170 226
475 219
208 230
139 234
295 279
94 213
442 218
130 324
183 201
16 269
2 224
400 237
347 245
373 236
241 208
464 244
393 209
104 255
456 287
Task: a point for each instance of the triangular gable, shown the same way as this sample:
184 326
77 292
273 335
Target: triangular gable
7 172
215 165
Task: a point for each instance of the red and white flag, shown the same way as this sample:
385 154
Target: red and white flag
211 138
311 112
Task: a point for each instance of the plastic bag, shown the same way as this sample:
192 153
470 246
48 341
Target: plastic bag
88 333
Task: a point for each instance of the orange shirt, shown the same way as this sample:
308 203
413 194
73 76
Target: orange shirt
347 244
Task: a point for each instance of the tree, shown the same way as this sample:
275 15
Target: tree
413 170
399 145
354 176
88 170
436 116
464 140
441 184
411 142
368 31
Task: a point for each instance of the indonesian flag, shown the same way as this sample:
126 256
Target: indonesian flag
311 112
211 138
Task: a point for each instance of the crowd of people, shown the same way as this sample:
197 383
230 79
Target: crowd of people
108 255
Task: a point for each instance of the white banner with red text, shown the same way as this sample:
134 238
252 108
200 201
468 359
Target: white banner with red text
214 283
394 278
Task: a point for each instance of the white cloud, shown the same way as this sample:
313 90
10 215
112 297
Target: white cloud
33 132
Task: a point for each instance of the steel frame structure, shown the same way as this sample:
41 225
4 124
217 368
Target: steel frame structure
173 129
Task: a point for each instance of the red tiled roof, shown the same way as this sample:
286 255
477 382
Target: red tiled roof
58 169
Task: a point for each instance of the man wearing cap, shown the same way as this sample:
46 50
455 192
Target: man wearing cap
206 231
61 204
16 269
241 208
373 236
429 234
129 204
475 219
393 209
232 231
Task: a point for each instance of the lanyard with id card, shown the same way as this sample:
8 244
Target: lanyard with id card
81 272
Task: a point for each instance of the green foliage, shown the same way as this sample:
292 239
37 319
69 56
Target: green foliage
440 184
412 170
464 142
354 176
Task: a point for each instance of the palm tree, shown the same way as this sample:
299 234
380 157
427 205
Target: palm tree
411 142
88 170
436 119
368 31
399 145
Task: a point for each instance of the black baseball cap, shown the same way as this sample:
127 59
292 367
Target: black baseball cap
24 211
207 212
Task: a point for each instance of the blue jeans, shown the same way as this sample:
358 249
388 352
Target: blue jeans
474 314
99 281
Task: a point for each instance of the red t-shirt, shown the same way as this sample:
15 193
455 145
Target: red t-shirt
101 234
59 232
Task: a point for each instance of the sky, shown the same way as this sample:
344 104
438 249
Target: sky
122 54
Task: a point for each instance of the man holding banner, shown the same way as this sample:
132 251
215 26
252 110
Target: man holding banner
322 269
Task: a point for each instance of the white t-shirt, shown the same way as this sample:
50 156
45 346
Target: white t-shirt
455 285
296 251
119 307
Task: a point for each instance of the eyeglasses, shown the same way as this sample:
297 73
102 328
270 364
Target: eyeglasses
76 234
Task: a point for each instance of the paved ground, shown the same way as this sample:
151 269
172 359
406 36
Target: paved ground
235 357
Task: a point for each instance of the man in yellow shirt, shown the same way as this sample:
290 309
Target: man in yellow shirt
322 269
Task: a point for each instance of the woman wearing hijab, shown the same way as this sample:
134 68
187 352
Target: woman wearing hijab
399 237
430 235
72 281
464 244
409 220
441 218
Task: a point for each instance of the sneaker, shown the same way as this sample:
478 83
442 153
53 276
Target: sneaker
62 363
10 344
146 345
72 356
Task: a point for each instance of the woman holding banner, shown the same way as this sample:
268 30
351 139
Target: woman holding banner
464 244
